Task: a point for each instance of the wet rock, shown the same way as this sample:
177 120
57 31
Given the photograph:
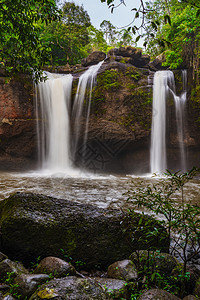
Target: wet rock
142 61
2 256
4 288
128 51
196 291
163 262
190 297
129 55
55 266
93 58
124 269
70 288
156 294
8 297
8 266
158 61
114 288
28 283
36 225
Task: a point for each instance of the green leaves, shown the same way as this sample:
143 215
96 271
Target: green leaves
20 23
167 19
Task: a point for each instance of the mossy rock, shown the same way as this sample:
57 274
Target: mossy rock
35 225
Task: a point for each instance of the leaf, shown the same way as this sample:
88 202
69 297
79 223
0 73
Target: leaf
198 13
144 44
154 25
133 30
109 1
134 9
137 15
167 19
137 38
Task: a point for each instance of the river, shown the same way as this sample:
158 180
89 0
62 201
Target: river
101 190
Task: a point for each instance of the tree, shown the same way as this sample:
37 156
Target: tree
109 32
20 47
69 36
97 40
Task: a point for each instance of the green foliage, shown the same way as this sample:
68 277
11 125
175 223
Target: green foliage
180 219
68 38
20 22
13 286
109 80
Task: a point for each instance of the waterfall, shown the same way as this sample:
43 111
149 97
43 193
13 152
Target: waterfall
158 159
83 96
53 112
53 115
163 85
180 102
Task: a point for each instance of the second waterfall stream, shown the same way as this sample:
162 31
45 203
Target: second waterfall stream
163 87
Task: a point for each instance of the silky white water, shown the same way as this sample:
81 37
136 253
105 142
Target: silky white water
158 160
54 125
180 102
86 83
163 86
57 144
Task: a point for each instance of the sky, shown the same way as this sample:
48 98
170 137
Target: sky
121 16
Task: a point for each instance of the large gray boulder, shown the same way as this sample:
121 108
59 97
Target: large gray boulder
55 266
93 58
36 225
157 294
70 288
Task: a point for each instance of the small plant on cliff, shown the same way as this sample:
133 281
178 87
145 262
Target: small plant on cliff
180 219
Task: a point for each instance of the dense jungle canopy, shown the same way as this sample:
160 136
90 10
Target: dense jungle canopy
35 33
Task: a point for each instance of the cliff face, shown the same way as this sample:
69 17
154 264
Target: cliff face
17 123
120 120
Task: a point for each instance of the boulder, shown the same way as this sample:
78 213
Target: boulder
124 269
190 297
141 61
93 58
11 267
157 62
70 288
162 262
114 288
196 291
8 297
128 51
28 283
2 256
55 266
36 225
156 294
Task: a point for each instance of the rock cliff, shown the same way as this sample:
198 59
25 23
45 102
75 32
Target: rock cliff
120 120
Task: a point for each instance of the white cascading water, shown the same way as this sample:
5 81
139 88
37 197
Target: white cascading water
158 160
164 84
180 102
53 130
86 81
53 114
